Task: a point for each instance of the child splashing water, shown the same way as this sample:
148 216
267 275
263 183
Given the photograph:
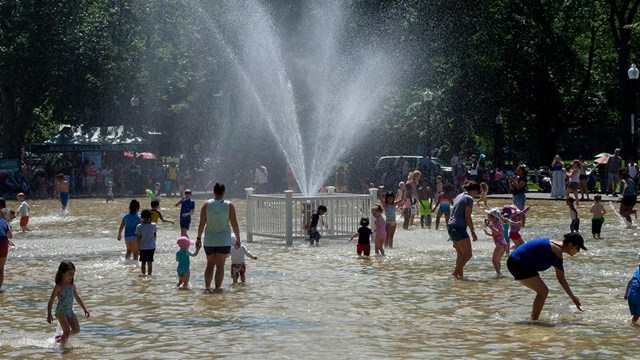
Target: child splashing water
515 218
494 228
65 290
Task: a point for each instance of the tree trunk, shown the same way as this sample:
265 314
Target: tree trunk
15 122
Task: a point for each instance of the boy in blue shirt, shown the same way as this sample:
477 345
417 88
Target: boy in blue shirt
187 206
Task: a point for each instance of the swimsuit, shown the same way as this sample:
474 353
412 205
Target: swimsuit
65 301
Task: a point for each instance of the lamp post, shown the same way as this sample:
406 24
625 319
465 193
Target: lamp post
498 142
633 74
427 96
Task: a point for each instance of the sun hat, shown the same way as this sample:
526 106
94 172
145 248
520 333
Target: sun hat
495 213
509 210
184 242
575 239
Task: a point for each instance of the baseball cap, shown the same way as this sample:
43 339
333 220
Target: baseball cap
575 239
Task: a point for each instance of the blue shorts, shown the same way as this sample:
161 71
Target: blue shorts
519 200
185 222
634 304
64 198
457 233
444 208
210 250
130 239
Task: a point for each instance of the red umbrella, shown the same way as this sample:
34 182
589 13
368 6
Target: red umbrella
601 160
147 155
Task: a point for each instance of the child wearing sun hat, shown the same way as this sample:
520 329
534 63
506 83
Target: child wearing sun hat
184 263
494 228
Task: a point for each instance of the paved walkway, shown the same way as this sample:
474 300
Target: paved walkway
547 196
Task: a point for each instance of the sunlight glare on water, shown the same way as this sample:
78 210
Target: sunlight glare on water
324 302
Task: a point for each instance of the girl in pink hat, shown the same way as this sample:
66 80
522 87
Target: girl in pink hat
182 257
494 228
516 220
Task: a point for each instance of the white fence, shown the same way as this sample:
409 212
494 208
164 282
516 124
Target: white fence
284 216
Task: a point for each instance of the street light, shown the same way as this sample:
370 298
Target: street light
633 74
427 96
498 142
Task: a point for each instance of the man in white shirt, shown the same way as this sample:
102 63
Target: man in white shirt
261 178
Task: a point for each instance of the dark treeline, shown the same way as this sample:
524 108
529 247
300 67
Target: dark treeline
555 72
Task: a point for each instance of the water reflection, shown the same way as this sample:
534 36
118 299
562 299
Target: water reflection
321 302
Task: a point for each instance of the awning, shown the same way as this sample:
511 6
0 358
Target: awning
80 138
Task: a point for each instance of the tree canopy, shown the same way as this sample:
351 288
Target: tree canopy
555 72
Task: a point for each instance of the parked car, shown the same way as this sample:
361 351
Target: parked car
388 169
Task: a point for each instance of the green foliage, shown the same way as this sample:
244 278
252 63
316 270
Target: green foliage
552 69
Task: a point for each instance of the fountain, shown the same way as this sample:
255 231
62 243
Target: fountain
318 97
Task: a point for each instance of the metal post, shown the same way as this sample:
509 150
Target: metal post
373 197
250 208
331 209
288 195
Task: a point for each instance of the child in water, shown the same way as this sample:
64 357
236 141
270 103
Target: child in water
238 267
109 191
129 223
632 295
184 263
484 192
146 237
379 229
598 211
23 210
156 214
575 219
443 205
364 237
65 290
312 225
494 228
515 218
424 203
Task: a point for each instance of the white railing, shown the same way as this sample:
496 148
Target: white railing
284 216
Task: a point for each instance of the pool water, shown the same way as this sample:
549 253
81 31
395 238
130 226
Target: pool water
315 303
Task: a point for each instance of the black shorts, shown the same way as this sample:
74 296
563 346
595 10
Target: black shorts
519 270
147 255
629 200
210 250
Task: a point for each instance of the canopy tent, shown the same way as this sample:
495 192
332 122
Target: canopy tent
81 138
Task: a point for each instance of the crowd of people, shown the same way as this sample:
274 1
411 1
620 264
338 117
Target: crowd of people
218 232
123 176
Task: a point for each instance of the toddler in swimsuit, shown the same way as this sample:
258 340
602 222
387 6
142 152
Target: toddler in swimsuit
184 263
494 228
65 291
378 229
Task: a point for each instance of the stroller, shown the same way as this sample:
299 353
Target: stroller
544 184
